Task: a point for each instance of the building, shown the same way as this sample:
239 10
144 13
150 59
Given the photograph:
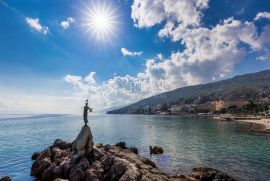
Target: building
220 104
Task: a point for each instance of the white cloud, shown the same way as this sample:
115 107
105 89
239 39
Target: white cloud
262 15
90 78
35 24
75 80
147 13
66 23
209 54
119 90
126 52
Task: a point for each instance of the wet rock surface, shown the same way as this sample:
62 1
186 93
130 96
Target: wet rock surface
209 174
88 162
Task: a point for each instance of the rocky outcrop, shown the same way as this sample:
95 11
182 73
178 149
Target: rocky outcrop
209 174
102 163
84 161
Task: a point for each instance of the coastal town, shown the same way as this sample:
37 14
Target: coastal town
237 107
204 108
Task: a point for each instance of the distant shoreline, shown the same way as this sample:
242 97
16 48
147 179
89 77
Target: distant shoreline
258 124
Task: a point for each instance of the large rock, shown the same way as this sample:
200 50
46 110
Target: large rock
121 144
61 144
134 150
48 174
39 166
83 144
155 150
6 178
210 174
35 155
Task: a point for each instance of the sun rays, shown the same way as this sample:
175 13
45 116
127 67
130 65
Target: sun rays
100 21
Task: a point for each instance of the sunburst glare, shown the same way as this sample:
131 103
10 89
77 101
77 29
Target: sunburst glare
100 20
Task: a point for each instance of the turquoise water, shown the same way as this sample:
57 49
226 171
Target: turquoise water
188 142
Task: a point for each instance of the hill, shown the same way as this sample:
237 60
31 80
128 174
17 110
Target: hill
249 87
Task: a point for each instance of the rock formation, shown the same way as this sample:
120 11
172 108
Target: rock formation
203 173
155 150
83 144
83 161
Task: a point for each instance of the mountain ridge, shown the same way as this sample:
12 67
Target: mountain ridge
243 85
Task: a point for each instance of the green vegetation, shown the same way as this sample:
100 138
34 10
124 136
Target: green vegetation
249 109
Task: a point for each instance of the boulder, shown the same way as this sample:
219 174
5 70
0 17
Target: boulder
48 174
97 154
39 166
83 144
121 144
91 175
66 167
44 154
35 155
58 172
6 178
76 174
155 150
210 174
130 175
58 155
134 150
61 144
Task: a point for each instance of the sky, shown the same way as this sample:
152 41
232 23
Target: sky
56 54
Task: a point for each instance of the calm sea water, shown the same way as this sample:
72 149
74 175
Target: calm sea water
188 142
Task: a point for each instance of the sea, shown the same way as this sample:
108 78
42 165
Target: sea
188 142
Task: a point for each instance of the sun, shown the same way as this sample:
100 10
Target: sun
101 20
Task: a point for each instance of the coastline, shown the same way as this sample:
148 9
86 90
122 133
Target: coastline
257 124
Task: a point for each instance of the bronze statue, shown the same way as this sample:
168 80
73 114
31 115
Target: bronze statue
85 112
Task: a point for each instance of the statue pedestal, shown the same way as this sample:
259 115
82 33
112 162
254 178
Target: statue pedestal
83 144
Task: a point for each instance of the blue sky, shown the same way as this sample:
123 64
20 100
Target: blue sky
47 50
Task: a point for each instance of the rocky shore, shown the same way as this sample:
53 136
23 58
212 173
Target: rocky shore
84 161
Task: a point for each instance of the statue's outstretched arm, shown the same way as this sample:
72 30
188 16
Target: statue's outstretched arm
90 109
